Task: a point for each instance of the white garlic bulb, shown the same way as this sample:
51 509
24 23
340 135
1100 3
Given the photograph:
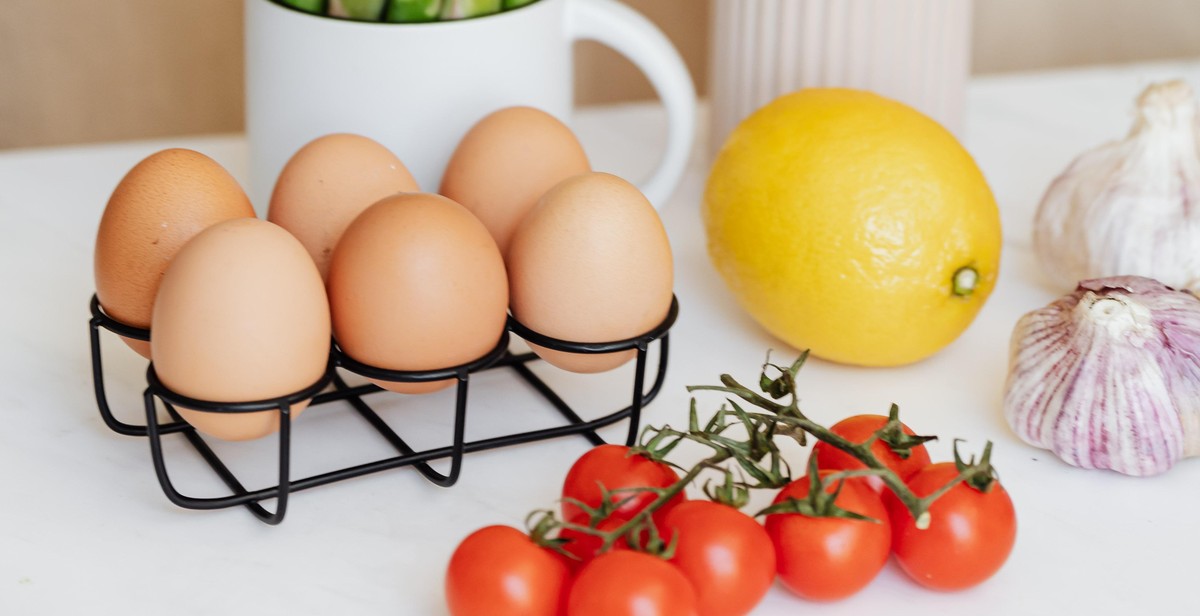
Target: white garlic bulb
1130 207
1109 376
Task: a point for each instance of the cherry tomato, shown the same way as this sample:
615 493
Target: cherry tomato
830 558
858 429
500 571
628 583
613 467
970 534
726 554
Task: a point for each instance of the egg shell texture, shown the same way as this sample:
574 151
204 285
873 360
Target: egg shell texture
506 162
417 283
160 204
591 263
329 182
241 316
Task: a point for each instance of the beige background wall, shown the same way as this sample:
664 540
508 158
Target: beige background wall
88 70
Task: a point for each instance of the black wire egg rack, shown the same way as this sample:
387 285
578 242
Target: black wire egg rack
333 388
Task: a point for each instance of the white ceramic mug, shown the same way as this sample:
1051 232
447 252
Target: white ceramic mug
417 88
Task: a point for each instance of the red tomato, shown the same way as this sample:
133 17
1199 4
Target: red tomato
628 583
830 558
500 571
613 467
970 532
726 554
858 429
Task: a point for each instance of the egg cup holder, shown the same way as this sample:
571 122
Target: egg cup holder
321 393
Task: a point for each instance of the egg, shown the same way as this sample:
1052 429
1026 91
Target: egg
241 315
506 162
417 283
158 206
330 181
590 263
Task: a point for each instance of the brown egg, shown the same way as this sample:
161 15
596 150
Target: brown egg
330 181
416 283
506 162
591 263
241 316
157 207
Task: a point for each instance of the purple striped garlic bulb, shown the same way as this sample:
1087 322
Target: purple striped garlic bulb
1109 376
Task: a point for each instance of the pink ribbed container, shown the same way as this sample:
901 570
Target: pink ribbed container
915 51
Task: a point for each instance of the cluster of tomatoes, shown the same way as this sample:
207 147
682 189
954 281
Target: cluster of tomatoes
968 534
721 561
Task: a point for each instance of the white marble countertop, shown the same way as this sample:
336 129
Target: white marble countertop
84 527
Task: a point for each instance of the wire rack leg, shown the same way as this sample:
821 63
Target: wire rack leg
460 423
635 408
106 413
457 449
160 468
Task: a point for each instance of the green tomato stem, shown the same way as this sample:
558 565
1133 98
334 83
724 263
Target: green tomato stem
790 414
762 427
664 496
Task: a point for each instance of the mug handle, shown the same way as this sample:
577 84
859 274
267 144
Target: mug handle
625 30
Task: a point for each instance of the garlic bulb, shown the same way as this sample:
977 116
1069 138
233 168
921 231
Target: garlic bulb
1109 376
1130 207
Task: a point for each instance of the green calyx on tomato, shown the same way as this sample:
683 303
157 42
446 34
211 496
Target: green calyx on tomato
612 480
614 496
829 558
820 502
979 475
864 431
730 493
586 538
659 446
541 524
900 442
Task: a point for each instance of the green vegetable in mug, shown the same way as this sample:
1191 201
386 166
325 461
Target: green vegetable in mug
462 9
364 10
407 11
308 6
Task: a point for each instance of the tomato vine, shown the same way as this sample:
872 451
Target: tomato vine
773 414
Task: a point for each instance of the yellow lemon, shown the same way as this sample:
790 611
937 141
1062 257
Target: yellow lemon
852 225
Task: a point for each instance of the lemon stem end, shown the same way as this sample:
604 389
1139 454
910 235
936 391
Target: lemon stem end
964 281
